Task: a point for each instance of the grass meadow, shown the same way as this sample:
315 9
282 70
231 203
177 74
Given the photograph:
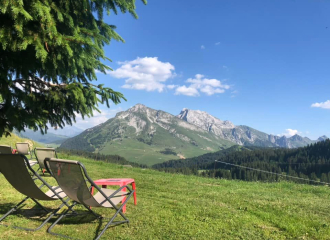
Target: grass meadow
173 206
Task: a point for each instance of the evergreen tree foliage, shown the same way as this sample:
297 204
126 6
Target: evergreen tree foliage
49 51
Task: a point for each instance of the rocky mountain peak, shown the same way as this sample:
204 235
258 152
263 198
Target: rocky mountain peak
204 120
322 138
137 108
296 137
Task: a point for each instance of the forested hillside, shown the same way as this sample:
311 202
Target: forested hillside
310 162
200 162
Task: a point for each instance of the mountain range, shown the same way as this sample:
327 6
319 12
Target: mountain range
150 136
147 136
242 135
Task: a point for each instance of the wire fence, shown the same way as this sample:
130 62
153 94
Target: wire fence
263 171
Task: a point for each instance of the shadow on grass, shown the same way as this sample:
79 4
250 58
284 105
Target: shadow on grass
72 223
28 213
38 215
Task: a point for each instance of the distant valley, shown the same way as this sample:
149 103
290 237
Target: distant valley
54 136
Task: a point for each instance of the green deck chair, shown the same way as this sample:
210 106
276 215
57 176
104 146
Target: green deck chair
24 148
16 169
72 177
43 153
5 149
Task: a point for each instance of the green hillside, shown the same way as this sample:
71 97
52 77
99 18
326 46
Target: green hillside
147 136
190 207
13 139
141 151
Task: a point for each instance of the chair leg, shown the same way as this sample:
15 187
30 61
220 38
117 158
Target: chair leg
13 209
40 205
110 223
114 216
31 229
70 208
49 230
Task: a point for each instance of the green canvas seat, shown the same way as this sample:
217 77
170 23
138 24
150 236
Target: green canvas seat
43 153
17 171
73 179
5 149
24 149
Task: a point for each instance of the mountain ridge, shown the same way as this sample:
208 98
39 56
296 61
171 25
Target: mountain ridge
149 136
242 134
145 135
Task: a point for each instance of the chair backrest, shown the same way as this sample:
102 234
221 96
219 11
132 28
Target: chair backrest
23 148
71 176
43 153
5 149
14 168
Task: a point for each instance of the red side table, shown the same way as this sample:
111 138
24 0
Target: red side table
117 181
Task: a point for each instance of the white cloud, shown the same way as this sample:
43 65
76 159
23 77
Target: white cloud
202 47
201 84
98 118
188 91
209 90
224 67
325 105
146 73
290 132
171 86
217 43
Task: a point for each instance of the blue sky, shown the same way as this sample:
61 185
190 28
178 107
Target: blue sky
259 63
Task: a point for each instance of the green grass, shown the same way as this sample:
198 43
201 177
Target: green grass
13 139
190 207
142 153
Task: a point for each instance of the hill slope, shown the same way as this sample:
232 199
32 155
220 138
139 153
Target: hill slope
147 136
199 162
310 162
242 135
13 139
189 207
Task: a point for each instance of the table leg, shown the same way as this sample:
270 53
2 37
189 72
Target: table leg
134 194
124 198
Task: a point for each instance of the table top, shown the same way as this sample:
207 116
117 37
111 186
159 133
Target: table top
114 181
